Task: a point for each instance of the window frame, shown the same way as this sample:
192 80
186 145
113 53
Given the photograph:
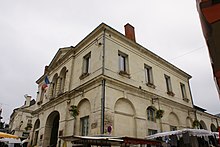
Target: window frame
152 131
86 69
169 85
173 128
123 62
148 73
151 114
84 129
183 90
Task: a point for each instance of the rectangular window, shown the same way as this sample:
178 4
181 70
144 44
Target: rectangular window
173 128
86 63
123 62
84 125
148 74
151 131
168 83
183 90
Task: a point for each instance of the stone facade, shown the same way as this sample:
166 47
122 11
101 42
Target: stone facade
21 119
116 83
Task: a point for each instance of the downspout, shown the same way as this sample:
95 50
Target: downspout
195 114
103 87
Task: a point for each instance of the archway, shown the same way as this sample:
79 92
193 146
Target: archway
124 123
36 132
51 129
173 121
202 125
82 120
213 128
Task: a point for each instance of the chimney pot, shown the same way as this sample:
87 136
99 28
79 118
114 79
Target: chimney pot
129 32
28 100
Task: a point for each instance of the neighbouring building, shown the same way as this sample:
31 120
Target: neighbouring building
21 119
209 12
112 85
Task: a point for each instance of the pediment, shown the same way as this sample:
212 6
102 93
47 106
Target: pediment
59 56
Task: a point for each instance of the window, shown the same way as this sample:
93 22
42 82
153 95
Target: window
183 90
148 76
173 128
86 63
151 131
86 66
84 125
151 114
168 85
123 62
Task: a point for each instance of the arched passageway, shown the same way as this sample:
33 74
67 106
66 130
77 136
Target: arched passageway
51 129
36 132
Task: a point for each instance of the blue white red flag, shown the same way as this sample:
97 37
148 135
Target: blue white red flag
46 82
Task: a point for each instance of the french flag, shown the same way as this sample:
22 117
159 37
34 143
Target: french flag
46 82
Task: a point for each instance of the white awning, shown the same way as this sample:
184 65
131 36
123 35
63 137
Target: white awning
192 132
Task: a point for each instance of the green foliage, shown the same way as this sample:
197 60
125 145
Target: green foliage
195 124
159 114
74 111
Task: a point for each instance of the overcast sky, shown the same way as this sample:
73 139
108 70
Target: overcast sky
31 32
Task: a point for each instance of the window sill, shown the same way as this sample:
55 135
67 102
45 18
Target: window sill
124 73
186 100
151 85
84 75
170 93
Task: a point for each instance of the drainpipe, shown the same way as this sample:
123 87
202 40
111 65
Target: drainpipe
103 53
103 87
103 107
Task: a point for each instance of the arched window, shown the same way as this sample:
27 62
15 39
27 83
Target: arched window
53 86
151 114
62 80
36 131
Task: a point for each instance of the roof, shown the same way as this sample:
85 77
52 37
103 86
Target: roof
199 108
61 52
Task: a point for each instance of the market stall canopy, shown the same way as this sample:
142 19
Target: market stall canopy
10 140
5 135
192 132
108 140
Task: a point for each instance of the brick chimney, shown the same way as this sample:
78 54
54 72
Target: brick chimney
129 32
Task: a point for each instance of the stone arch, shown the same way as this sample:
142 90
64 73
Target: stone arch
189 122
124 112
35 132
173 121
202 125
82 120
213 128
62 79
51 129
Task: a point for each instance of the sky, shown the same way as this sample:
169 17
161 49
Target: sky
31 32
